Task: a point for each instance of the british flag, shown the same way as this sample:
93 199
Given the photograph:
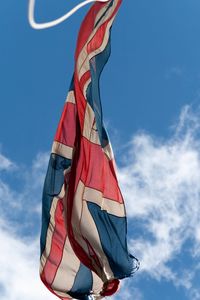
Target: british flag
83 238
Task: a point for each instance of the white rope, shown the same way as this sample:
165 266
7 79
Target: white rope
35 25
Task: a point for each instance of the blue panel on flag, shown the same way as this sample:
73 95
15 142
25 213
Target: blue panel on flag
55 177
52 187
83 283
112 232
97 64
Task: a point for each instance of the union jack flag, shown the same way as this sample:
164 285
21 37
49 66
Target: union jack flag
83 238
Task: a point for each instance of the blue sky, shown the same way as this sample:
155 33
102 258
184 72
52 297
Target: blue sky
150 93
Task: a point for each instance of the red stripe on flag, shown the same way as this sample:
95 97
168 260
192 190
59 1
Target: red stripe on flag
84 79
87 27
81 102
97 40
57 245
67 126
96 171
72 187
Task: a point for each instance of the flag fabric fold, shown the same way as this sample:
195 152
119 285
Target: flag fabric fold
84 250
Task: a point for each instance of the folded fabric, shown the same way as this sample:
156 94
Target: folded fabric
84 228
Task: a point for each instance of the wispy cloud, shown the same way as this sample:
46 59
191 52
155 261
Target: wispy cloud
127 291
5 163
177 71
20 198
19 254
160 180
19 276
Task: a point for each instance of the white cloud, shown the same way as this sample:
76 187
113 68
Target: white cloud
20 202
19 276
160 180
5 163
127 292
19 255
